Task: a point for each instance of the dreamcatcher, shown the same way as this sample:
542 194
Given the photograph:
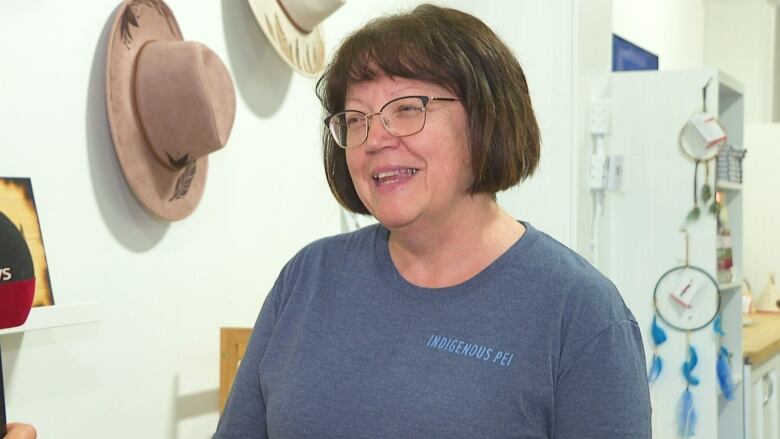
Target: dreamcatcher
700 140
685 298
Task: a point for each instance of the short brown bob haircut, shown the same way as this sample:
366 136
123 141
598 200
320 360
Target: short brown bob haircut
460 53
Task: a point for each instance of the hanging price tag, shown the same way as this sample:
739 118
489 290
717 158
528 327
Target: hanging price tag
685 291
708 128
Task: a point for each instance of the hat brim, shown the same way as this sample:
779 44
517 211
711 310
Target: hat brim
304 52
169 194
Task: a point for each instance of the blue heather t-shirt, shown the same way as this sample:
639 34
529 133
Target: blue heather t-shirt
537 345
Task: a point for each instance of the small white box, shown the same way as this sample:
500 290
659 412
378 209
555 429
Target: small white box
708 128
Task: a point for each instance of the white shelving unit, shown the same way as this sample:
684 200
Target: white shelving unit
643 225
728 186
764 412
729 287
47 317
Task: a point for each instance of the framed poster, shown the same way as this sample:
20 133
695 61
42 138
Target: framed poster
628 56
18 204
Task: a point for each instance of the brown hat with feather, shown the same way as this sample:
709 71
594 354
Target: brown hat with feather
170 103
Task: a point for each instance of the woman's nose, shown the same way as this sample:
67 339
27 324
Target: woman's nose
378 135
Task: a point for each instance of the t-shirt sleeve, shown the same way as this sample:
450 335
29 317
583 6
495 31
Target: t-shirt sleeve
244 413
602 393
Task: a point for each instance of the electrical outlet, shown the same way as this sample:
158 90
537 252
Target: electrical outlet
599 117
597 174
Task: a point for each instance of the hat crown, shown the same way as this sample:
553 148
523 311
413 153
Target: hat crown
185 100
17 275
14 252
308 14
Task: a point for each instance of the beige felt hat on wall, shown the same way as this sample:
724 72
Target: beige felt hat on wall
170 103
293 28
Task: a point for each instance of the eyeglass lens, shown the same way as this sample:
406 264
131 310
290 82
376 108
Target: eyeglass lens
401 117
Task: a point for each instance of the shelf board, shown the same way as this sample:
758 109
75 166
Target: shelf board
734 285
736 377
725 185
731 83
46 317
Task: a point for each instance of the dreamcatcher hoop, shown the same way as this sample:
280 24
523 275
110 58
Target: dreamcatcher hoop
686 298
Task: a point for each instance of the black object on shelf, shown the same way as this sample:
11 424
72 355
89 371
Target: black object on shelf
729 166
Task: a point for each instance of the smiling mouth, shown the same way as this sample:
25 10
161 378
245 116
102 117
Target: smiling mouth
393 176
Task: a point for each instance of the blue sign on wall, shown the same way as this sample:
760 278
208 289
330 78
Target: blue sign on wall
628 56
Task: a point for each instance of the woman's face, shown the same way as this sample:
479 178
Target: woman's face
421 179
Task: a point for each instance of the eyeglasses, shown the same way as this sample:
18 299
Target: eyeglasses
401 117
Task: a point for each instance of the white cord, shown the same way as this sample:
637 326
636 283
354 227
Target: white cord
598 161
598 208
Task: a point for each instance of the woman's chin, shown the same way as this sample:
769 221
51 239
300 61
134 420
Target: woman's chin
395 220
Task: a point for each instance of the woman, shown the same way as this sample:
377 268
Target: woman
450 318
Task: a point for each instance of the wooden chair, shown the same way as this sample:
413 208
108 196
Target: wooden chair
233 342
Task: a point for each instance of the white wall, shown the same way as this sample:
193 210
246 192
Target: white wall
150 367
736 36
761 205
540 33
776 76
593 55
740 40
672 29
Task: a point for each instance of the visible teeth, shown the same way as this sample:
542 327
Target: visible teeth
387 174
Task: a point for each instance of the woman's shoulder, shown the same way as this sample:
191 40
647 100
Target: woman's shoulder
584 301
325 259
546 254
580 286
336 250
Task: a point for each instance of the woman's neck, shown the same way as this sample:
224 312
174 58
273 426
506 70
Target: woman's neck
449 252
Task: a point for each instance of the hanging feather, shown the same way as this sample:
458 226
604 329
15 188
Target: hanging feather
659 335
724 374
689 365
657 363
714 206
686 421
717 326
706 193
692 216
656 368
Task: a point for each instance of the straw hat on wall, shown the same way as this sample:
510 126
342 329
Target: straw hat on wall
294 29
